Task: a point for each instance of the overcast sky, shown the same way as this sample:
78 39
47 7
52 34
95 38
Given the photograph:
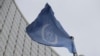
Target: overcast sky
80 18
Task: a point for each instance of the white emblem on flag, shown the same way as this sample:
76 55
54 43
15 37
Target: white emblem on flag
48 35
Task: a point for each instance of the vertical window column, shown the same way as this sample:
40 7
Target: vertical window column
3 32
8 47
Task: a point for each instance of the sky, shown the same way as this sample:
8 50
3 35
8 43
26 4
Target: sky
80 18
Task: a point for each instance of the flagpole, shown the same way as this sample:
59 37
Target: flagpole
74 53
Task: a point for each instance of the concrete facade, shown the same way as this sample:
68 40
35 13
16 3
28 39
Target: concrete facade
13 39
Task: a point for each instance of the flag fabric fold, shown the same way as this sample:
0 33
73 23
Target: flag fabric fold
47 30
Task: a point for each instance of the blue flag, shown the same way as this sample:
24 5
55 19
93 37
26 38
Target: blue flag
48 31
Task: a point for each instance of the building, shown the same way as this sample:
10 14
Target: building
13 39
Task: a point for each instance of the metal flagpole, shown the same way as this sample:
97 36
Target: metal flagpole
74 54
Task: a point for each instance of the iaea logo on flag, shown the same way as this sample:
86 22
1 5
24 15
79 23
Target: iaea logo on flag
48 31
47 34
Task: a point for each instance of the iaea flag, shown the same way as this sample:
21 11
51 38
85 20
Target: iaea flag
48 31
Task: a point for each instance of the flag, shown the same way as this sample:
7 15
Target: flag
47 30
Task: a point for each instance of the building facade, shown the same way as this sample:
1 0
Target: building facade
13 39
